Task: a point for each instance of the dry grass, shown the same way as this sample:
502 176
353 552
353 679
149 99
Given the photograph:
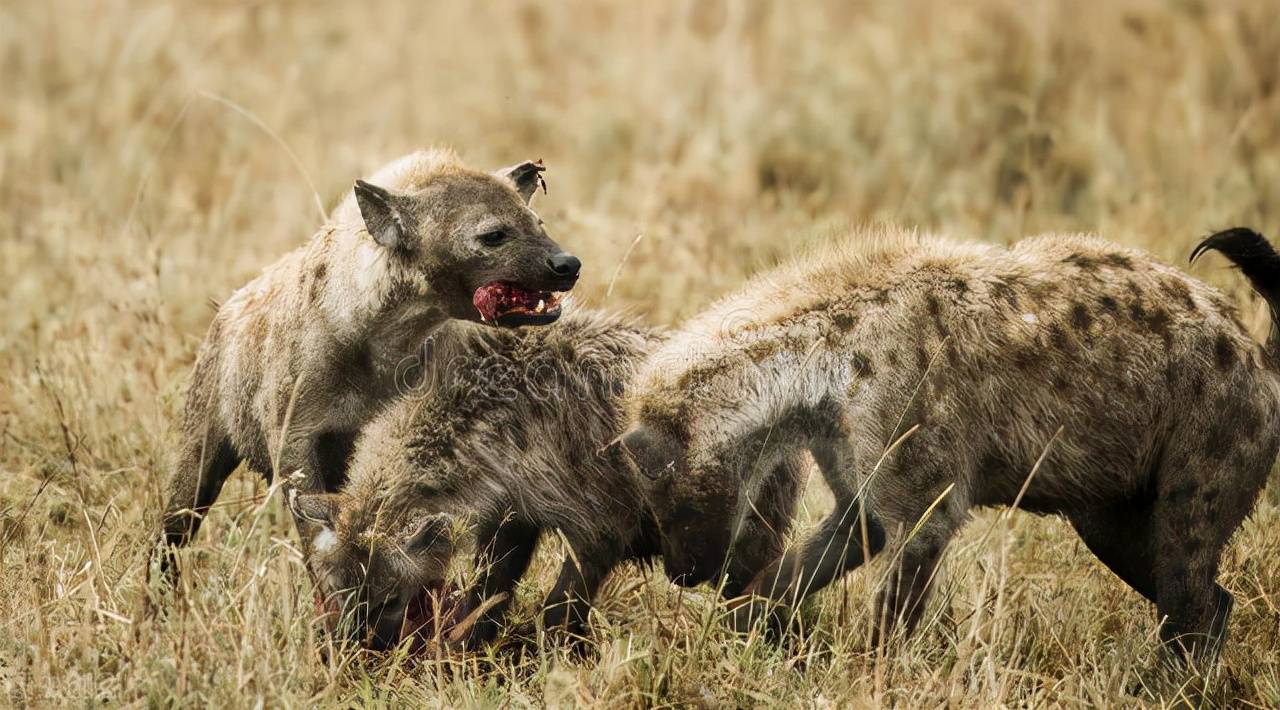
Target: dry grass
729 134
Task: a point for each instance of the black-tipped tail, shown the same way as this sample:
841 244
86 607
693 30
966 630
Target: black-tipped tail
1259 262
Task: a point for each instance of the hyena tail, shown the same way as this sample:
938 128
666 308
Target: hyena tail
1259 262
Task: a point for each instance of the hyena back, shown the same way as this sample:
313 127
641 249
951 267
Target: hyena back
295 362
927 377
507 445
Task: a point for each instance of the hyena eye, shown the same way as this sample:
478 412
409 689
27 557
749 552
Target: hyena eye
494 238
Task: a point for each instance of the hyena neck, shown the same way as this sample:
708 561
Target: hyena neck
372 297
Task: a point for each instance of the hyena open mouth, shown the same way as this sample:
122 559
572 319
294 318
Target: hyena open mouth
510 305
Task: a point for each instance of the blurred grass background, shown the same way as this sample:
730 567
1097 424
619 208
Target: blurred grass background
155 155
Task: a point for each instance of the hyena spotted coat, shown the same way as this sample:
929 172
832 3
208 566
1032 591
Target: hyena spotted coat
927 377
506 444
295 362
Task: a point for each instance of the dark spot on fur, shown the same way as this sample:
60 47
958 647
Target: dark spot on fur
1133 287
1058 337
1109 304
844 320
1004 291
958 285
1060 383
1081 319
1137 311
1178 291
862 365
893 358
1157 320
1119 261
1223 353
1197 385
1028 358
922 357
1082 261
1210 495
934 307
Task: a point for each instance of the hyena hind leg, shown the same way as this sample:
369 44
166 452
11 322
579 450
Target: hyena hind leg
1192 522
203 466
836 547
504 548
919 542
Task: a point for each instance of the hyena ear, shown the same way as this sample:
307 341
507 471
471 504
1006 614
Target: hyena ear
653 452
318 508
526 177
383 215
429 532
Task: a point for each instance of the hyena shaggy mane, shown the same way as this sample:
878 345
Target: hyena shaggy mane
506 444
928 377
299 359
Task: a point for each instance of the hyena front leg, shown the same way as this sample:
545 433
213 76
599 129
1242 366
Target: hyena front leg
920 540
567 608
204 462
504 547
763 533
844 540
838 545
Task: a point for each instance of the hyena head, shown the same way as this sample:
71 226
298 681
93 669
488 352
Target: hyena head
472 240
692 497
374 581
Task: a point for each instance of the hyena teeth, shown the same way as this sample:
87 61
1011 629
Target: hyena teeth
542 305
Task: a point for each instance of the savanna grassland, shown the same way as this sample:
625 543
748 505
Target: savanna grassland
155 156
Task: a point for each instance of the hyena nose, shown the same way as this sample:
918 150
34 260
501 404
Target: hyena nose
564 264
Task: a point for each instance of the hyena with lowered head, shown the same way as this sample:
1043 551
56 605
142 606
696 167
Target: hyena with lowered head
505 444
928 377
296 361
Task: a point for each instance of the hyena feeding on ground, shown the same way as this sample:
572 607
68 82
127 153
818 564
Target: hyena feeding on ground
506 443
928 377
298 360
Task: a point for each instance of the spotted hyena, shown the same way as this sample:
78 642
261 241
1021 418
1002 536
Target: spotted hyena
507 445
299 359
927 377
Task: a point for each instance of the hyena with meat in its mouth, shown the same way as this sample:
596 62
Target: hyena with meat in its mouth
928 377
299 359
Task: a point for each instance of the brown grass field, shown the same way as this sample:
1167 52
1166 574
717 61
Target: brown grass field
154 156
